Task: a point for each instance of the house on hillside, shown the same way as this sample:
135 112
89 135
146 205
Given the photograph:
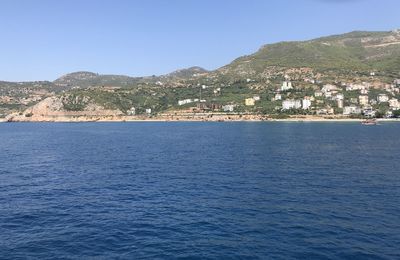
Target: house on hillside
363 100
326 111
185 101
318 93
369 112
352 87
328 90
291 104
277 97
286 85
306 103
228 108
132 111
382 98
340 103
249 102
351 110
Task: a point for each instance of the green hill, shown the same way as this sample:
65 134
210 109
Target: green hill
351 51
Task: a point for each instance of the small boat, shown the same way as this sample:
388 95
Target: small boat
369 122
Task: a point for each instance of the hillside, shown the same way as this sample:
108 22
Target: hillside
85 79
367 60
187 73
360 51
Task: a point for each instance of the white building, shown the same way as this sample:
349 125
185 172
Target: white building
187 101
369 112
148 111
328 94
340 103
228 108
352 87
132 111
383 98
278 97
256 98
286 85
184 102
291 104
351 110
306 103
325 111
328 88
318 93
339 97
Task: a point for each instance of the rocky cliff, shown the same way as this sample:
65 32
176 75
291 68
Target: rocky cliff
52 109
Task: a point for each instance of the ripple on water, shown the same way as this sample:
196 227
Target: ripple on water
199 191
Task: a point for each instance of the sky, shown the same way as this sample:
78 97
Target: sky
44 39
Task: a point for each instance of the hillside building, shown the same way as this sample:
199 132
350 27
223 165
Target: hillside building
291 104
318 93
228 108
340 103
351 110
382 98
286 85
363 100
132 111
249 102
278 97
306 103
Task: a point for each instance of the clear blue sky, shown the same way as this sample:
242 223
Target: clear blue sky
43 39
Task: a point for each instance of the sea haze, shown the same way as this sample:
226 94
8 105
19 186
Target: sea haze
199 190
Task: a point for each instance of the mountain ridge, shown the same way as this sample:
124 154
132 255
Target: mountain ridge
309 53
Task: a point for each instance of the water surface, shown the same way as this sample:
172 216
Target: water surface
199 190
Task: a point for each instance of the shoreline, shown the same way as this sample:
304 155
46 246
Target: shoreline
180 119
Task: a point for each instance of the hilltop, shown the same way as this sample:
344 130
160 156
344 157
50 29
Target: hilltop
355 51
188 73
86 79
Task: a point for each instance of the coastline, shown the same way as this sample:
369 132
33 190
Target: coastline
209 118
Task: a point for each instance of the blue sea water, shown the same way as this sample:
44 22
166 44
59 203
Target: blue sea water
199 191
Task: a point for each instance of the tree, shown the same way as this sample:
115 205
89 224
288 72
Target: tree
396 113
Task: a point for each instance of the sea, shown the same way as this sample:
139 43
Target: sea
199 190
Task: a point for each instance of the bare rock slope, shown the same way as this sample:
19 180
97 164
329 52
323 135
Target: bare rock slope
52 109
